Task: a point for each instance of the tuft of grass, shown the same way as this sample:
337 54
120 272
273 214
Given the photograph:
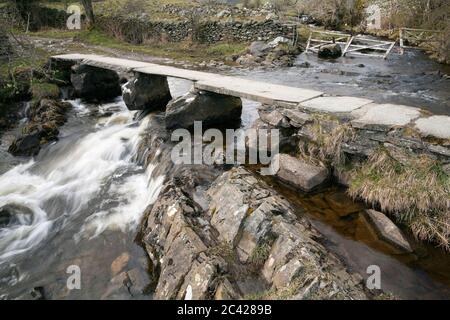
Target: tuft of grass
226 49
260 254
324 147
224 250
416 191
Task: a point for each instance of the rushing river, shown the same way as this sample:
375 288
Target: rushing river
81 200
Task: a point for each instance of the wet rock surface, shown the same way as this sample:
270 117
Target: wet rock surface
210 108
299 174
45 117
249 241
95 84
146 92
330 51
387 230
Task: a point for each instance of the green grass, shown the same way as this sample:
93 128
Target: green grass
226 49
54 33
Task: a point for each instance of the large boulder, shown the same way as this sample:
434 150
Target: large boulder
298 173
247 240
210 108
95 84
27 145
259 48
330 51
146 92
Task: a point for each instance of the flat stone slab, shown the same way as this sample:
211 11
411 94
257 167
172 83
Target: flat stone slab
73 57
387 230
93 60
298 173
174 72
384 115
435 126
335 104
253 90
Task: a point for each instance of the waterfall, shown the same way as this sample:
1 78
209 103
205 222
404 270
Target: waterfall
90 175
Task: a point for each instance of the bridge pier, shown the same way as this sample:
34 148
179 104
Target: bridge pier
211 108
94 84
146 92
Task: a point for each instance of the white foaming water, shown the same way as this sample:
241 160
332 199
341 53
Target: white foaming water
71 177
135 194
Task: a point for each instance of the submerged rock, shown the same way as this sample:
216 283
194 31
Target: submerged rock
146 92
211 108
387 230
298 173
330 51
27 145
95 84
5 218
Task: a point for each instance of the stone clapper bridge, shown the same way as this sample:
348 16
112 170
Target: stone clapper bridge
363 113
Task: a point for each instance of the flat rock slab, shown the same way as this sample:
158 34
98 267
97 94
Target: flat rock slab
93 60
377 116
335 104
258 91
254 90
296 117
299 174
387 230
169 71
435 126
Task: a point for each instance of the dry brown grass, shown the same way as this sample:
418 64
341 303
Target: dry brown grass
416 192
325 149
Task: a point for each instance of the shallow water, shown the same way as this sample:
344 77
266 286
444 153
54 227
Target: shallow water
411 79
424 274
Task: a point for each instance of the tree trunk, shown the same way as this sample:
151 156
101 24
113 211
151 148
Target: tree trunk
87 4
